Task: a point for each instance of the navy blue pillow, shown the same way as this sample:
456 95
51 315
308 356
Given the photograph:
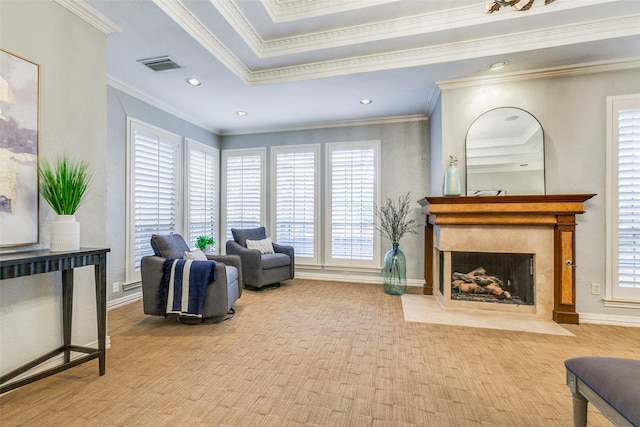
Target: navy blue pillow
241 235
169 245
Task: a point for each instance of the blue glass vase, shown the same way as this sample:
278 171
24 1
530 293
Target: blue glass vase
395 271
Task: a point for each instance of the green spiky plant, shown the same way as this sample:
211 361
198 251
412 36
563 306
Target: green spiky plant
64 183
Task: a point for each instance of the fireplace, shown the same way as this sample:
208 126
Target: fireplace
494 278
535 232
520 258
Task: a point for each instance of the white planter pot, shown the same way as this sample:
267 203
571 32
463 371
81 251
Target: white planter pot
65 234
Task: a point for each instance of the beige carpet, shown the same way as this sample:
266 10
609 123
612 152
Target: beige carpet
424 309
317 354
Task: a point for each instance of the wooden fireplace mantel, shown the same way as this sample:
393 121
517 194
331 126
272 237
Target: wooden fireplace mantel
553 210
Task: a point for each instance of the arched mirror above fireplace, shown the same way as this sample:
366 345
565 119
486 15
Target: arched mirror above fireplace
505 154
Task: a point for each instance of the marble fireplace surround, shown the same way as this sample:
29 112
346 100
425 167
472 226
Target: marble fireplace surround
543 225
497 239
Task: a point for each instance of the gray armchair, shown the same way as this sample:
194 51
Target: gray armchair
221 293
261 269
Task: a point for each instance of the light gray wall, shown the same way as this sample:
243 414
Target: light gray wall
121 105
405 165
571 110
72 59
436 174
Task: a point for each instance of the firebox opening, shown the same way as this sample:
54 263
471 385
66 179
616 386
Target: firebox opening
504 278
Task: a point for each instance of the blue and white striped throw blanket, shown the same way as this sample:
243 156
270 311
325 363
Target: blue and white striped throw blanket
184 286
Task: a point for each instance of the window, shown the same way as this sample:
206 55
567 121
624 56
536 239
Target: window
153 177
352 192
243 189
623 198
202 192
295 194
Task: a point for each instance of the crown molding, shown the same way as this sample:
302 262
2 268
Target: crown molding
496 45
447 19
154 102
336 124
294 10
90 15
241 25
177 11
376 31
569 70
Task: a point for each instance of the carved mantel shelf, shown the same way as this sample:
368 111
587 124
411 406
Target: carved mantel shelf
553 210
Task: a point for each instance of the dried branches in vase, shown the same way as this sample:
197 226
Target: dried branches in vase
394 221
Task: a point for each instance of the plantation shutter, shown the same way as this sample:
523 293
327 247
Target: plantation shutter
243 189
629 199
202 192
155 188
353 191
296 199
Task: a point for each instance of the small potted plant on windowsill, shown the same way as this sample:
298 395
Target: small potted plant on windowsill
205 243
63 185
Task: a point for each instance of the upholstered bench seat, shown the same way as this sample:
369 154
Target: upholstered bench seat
611 384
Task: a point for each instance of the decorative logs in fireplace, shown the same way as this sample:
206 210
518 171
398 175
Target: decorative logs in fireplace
478 282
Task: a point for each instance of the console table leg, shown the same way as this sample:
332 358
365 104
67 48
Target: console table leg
100 272
67 311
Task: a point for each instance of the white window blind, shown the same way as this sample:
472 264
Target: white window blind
296 189
353 192
628 244
154 186
243 189
202 192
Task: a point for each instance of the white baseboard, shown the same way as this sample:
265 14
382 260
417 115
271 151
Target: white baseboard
125 300
607 319
351 278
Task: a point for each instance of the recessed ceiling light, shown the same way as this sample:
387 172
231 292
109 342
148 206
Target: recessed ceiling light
193 81
366 101
497 65
241 113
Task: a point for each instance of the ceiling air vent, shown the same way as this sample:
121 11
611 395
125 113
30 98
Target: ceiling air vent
162 63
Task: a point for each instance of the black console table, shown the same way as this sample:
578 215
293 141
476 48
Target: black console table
19 264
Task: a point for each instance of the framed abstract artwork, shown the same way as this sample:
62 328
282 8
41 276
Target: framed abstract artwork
19 132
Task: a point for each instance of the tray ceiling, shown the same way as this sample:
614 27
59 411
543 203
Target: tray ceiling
296 63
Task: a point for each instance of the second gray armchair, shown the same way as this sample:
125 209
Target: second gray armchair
260 269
